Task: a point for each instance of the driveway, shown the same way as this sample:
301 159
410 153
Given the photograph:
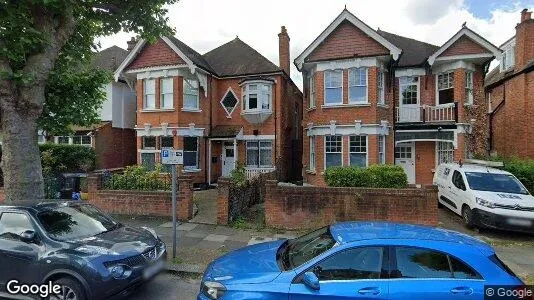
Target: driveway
206 202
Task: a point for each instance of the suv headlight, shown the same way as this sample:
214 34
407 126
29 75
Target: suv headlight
213 290
120 271
485 203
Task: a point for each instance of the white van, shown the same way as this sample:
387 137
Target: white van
485 196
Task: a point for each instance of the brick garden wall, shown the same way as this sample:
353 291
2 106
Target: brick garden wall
293 207
152 203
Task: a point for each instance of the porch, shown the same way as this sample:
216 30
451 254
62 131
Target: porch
427 114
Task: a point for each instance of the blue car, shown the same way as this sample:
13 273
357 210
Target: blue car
360 260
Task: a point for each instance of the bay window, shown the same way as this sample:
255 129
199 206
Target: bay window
333 82
446 88
358 85
190 153
358 151
259 154
469 87
149 93
190 94
257 96
166 96
333 151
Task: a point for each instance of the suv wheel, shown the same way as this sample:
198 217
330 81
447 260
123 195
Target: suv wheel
70 290
467 215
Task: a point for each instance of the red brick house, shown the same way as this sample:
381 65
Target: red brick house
228 106
373 97
510 93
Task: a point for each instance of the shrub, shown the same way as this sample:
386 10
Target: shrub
375 176
138 178
238 175
58 159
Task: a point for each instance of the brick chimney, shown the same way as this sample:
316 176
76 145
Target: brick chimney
283 50
524 40
131 43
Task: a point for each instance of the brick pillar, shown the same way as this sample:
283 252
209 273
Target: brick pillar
271 207
223 194
185 198
431 194
94 183
459 93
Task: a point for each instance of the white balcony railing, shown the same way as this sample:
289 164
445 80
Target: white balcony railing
252 173
427 113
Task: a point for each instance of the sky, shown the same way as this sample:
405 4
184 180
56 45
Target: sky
207 24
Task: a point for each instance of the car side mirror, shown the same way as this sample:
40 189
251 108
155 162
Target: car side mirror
28 236
310 280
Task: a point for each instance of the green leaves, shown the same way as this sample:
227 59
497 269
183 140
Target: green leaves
375 176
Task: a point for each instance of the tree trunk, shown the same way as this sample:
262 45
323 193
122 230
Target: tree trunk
21 159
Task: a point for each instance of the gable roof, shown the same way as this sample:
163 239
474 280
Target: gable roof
237 58
414 52
346 15
194 56
465 31
109 58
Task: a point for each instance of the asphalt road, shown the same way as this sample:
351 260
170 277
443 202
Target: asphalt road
168 287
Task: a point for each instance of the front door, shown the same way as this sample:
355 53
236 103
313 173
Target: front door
228 160
405 157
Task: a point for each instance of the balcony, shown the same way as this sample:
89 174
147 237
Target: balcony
442 113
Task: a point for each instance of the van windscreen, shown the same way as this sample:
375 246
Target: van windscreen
491 182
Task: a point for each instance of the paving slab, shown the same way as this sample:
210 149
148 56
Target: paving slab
216 238
196 234
185 242
183 226
209 245
240 236
224 230
257 240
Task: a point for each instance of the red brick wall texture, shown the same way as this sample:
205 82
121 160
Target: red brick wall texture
312 207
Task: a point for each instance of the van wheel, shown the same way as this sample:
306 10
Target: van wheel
70 290
467 215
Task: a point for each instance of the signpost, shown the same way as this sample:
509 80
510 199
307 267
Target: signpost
173 157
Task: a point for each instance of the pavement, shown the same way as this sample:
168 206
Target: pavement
169 287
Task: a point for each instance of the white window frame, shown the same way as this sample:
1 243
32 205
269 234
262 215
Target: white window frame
311 166
257 146
366 149
450 84
324 155
444 150
81 140
358 84
469 91
326 87
197 151
381 149
312 102
146 93
407 84
508 57
381 88
264 91
162 103
187 81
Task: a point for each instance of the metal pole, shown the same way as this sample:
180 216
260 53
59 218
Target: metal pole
174 211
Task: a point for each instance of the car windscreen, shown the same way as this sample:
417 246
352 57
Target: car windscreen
491 182
302 249
74 222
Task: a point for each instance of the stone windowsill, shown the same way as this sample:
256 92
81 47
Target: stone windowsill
151 110
346 105
191 110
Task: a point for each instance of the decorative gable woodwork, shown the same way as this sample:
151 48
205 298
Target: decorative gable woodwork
157 54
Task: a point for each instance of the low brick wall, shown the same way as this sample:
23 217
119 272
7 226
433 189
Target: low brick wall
150 203
292 207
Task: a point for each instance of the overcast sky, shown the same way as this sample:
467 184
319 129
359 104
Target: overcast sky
206 24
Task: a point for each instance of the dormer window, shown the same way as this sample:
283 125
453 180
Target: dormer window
257 96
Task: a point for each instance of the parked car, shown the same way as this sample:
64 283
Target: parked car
361 260
485 196
74 245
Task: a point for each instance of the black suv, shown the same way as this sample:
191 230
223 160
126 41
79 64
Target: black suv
77 247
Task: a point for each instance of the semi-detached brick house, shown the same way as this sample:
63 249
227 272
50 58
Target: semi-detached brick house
510 92
373 97
228 106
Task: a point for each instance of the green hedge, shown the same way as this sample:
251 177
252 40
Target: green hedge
138 178
58 159
375 176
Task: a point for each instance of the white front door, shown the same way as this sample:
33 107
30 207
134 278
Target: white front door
405 157
228 160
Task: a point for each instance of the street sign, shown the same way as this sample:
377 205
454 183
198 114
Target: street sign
172 157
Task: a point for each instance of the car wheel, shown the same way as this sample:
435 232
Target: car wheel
70 290
467 215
